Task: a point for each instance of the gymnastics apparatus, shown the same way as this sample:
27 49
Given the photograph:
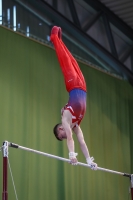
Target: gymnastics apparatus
7 144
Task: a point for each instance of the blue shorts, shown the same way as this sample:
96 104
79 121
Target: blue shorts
77 104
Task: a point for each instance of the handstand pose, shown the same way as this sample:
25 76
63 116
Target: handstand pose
73 112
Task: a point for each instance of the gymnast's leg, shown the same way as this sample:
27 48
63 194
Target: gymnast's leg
68 64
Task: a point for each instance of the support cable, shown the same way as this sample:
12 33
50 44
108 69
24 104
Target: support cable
12 180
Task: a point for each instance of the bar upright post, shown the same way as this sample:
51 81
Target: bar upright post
132 186
5 162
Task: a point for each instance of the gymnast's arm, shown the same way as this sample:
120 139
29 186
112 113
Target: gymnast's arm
66 121
77 130
84 147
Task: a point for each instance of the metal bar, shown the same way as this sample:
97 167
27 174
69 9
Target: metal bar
132 186
126 53
74 12
117 3
87 24
132 193
5 157
65 159
54 3
4 193
109 35
0 12
132 61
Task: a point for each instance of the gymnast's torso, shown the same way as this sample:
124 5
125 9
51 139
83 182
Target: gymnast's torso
76 105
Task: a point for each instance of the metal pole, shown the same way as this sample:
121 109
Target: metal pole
5 161
65 160
132 186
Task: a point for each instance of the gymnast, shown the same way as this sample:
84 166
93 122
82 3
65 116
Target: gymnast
73 112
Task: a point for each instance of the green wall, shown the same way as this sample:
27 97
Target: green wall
32 94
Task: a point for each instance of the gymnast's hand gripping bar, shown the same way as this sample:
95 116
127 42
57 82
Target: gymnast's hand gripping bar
65 160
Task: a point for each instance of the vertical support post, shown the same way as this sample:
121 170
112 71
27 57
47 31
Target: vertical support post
0 12
132 186
14 18
5 160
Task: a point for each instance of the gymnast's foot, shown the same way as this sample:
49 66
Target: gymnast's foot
57 31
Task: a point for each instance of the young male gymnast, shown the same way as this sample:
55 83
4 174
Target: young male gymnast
73 112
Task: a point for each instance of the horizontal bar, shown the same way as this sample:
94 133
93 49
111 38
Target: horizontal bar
65 159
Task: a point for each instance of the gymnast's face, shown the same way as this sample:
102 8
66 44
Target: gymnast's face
61 133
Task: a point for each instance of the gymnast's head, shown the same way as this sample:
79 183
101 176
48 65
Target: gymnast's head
59 132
